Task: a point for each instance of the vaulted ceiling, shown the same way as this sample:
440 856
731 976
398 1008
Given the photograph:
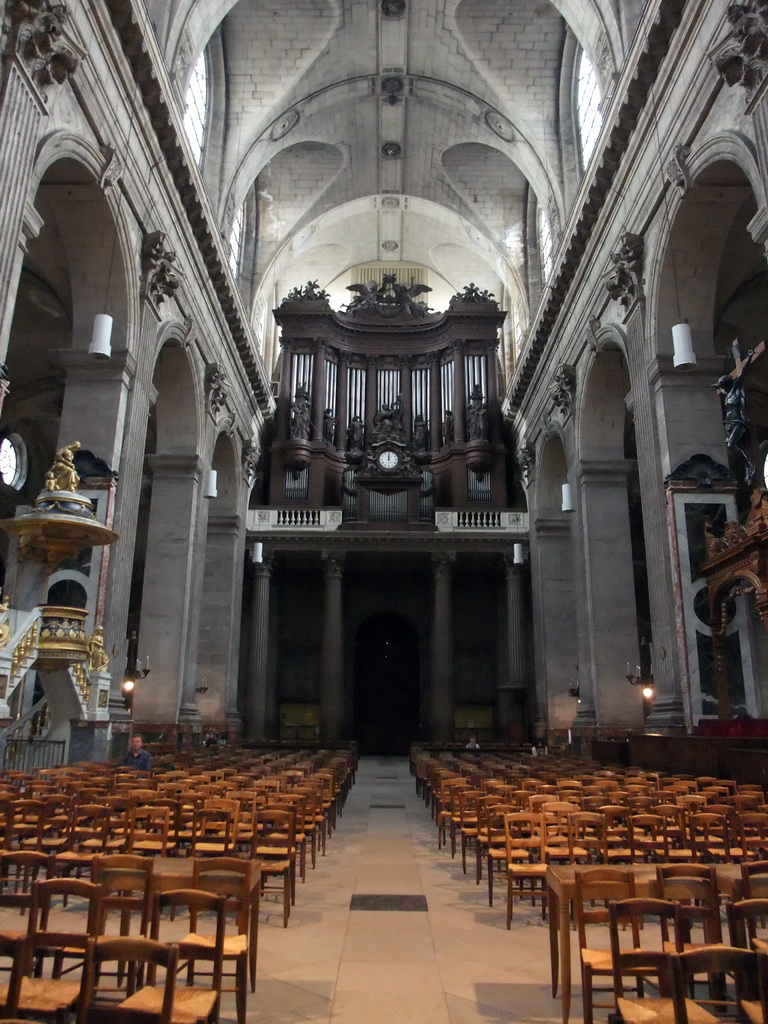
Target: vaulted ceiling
422 131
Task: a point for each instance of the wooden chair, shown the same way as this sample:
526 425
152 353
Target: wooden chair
753 834
649 838
149 830
719 963
524 841
744 917
491 841
594 889
275 847
237 881
18 870
754 879
587 838
12 957
135 957
694 888
214 828
89 832
193 1002
640 931
125 881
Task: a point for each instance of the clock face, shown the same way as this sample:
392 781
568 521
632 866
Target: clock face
388 459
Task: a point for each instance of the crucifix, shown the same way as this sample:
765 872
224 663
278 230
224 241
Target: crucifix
732 389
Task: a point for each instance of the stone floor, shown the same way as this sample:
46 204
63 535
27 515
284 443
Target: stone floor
454 964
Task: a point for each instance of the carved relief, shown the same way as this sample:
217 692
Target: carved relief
113 168
250 457
526 457
37 29
677 171
217 388
561 388
743 59
624 277
161 278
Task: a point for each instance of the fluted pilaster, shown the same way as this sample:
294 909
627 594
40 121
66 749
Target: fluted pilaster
255 726
442 649
332 663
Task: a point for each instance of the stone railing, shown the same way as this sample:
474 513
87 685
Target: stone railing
322 520
492 520
316 520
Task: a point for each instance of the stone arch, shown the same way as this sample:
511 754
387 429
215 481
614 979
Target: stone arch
601 404
711 271
178 407
551 474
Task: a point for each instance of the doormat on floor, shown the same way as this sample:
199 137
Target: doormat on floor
370 901
387 807
390 778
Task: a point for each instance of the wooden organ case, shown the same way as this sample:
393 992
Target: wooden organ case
388 410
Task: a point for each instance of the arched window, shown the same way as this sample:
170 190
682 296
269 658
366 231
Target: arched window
236 240
545 242
588 114
13 461
196 106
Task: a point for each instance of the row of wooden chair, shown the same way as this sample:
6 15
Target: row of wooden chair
126 887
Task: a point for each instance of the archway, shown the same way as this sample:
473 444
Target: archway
386 703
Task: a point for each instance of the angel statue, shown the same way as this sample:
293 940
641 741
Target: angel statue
97 656
62 476
365 298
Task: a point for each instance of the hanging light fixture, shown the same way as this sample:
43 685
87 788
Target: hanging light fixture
258 553
519 556
209 484
567 500
101 339
682 343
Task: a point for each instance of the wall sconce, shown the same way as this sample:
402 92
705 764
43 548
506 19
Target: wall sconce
133 667
101 338
683 357
257 554
519 554
643 674
209 484
567 499
202 688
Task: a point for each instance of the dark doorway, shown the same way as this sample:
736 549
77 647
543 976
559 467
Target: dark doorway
386 684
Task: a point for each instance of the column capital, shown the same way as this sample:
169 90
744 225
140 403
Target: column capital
512 569
443 563
603 471
264 567
168 467
78 365
333 564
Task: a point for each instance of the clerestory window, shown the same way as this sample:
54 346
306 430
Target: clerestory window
588 113
196 107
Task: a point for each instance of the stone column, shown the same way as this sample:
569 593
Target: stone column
255 725
167 631
141 394
219 644
342 401
554 620
668 703
436 411
608 633
332 655
94 384
318 391
517 659
441 705
459 394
